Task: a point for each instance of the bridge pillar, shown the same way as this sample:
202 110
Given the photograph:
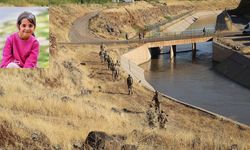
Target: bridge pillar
172 51
194 50
155 52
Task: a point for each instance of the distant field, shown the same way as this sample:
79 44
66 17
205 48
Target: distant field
25 2
41 33
47 2
79 1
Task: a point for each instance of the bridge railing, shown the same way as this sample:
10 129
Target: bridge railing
192 32
180 35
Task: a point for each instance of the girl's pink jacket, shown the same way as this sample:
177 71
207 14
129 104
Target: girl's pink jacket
23 52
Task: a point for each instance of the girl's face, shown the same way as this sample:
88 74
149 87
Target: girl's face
26 29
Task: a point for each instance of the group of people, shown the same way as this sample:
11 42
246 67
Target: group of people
155 114
113 66
141 35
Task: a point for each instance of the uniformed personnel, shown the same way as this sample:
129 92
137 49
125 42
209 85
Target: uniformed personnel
151 117
157 102
162 118
130 84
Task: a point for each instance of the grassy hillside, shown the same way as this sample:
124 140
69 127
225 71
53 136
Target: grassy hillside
79 1
76 95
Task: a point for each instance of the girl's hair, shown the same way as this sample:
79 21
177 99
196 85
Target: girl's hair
26 15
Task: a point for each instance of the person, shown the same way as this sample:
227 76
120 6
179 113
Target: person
204 31
116 71
118 63
110 62
140 35
151 117
162 118
157 102
101 54
130 84
21 48
102 46
126 35
113 69
105 56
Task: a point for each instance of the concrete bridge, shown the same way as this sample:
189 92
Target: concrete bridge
155 44
157 40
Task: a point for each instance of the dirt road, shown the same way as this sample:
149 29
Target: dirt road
79 32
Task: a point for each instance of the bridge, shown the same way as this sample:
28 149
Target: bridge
166 39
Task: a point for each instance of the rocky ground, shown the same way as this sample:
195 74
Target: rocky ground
115 22
61 107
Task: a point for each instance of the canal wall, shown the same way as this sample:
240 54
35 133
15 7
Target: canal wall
184 22
224 22
232 64
132 59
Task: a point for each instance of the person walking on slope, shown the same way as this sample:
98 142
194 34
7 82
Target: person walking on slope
126 36
204 31
130 84
157 102
101 54
162 118
151 117
102 47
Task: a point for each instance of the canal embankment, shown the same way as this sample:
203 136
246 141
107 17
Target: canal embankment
229 60
231 64
137 56
141 54
184 22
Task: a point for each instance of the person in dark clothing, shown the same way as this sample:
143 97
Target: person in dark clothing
130 84
126 35
102 47
204 31
157 102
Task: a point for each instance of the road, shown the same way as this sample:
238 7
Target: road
79 32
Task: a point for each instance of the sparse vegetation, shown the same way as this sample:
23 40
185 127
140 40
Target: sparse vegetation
25 2
79 1
76 95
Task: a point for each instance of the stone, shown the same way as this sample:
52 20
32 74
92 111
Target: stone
35 136
66 99
128 147
83 63
57 147
78 145
234 147
101 141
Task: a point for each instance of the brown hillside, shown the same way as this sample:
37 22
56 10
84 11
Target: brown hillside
76 95
132 18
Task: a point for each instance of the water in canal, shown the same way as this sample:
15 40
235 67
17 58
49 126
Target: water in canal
196 83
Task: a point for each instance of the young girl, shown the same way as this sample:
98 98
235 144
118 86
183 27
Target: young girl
21 49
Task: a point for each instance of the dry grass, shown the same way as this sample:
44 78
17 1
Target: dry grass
65 103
